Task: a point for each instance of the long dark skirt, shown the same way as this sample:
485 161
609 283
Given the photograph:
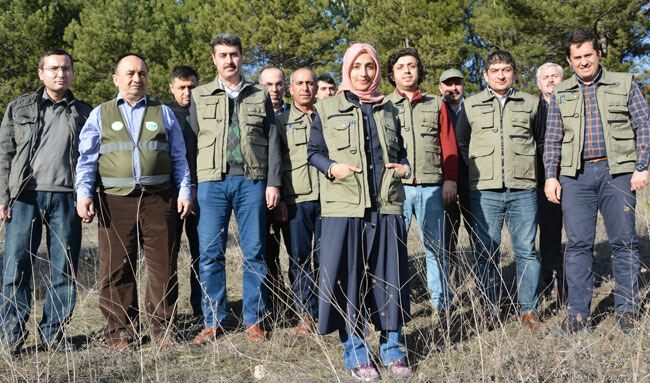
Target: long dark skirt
363 273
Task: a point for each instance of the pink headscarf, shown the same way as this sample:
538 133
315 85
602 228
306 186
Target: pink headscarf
355 50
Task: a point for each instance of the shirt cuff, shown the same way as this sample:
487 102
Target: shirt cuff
185 192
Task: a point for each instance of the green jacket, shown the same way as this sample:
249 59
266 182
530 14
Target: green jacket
343 133
19 139
299 179
620 140
259 138
502 147
115 163
421 132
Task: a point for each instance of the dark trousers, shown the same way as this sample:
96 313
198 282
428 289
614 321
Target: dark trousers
274 282
191 232
455 212
125 224
593 189
304 226
550 243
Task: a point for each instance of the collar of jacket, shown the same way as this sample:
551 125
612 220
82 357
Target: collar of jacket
486 95
605 79
345 105
296 114
214 87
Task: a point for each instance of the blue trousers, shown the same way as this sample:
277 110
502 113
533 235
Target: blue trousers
217 200
518 208
30 211
304 226
591 190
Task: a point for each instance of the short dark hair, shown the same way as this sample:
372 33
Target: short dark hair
392 59
579 37
54 52
500 57
121 57
228 39
183 72
325 77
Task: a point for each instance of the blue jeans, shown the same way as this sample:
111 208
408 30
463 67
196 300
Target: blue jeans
519 209
425 201
593 189
30 212
217 200
304 226
357 352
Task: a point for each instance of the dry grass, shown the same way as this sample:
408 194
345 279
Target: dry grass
453 348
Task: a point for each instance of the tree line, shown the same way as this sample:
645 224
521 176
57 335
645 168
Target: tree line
314 33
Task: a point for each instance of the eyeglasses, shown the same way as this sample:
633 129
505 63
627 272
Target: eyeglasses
56 69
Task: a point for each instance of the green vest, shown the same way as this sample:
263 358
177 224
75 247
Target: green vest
343 133
421 133
116 151
211 103
612 96
299 179
502 149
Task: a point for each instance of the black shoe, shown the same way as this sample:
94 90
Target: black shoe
59 345
626 322
573 324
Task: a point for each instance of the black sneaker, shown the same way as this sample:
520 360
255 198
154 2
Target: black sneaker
626 322
573 324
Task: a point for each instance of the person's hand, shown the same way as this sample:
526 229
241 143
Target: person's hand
639 180
449 192
272 197
184 207
400 169
281 212
5 213
338 170
86 209
553 190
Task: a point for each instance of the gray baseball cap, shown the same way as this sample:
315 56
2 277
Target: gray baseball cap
451 73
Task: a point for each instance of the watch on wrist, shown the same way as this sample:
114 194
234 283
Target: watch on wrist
641 167
408 172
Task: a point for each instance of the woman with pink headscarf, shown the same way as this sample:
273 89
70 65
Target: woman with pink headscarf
356 143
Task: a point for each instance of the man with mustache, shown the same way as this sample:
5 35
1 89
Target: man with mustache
38 151
430 142
550 214
596 159
498 139
452 90
238 168
300 194
132 146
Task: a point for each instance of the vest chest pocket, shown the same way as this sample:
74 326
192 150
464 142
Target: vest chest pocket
23 128
208 107
298 134
523 148
337 132
624 145
428 121
392 190
520 118
482 117
568 104
618 114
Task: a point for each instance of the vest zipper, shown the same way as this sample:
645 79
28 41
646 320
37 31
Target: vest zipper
503 168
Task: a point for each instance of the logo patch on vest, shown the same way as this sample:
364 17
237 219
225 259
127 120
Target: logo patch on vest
117 126
151 126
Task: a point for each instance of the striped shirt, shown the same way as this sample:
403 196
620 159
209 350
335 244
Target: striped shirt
594 141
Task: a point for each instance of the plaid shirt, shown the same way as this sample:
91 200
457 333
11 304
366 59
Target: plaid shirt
594 141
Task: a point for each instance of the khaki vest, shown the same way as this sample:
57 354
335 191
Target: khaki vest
343 133
116 151
212 114
502 149
299 179
620 140
421 132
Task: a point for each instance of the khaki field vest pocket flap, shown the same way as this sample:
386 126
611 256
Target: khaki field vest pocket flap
208 107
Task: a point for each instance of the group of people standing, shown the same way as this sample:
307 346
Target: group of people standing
338 174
